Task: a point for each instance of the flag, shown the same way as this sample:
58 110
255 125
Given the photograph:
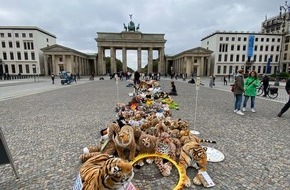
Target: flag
269 65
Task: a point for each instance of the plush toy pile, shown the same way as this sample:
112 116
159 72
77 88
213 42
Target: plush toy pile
144 125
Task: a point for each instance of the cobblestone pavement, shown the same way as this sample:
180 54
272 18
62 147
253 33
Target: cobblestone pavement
46 131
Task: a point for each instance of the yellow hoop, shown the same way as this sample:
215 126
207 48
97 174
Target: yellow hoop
179 186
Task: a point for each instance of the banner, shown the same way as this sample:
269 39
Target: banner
269 65
251 45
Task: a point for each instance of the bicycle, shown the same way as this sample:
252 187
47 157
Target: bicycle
272 92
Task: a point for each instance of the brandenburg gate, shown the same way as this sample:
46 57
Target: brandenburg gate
130 39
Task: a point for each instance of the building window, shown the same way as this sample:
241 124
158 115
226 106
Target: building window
221 38
262 39
256 47
273 39
3 45
238 47
231 69
4 56
266 48
207 43
220 58
24 44
32 46
10 45
20 68
219 69
227 38
264 69
245 39
267 39
272 48
13 68
47 40
261 48
11 56
277 58
255 58
237 58
2 35
30 35
225 69
265 58
17 44
244 47
19 55
27 68
223 48
25 55
278 40
259 69
226 58
16 35
232 47
32 56
23 35
278 48
28 45
233 39
285 56
9 35
243 58
254 68
231 58
256 39
260 58
286 47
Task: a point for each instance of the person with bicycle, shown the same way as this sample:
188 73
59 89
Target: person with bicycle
287 105
265 82
251 84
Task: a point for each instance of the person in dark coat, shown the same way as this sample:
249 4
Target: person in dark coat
265 82
173 89
238 91
52 78
287 105
136 77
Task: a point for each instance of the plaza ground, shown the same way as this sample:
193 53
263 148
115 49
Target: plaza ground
46 127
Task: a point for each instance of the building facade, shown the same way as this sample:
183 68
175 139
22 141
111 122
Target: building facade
195 61
250 51
20 49
60 58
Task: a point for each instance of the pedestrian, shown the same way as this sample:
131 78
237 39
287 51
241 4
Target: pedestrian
238 91
136 78
173 89
225 80
265 82
74 77
52 78
251 84
211 81
287 105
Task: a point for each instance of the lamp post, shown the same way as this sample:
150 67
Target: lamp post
34 70
283 11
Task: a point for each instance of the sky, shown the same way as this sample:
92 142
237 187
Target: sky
184 22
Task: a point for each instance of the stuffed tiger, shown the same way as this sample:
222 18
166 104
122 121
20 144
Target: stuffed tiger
125 140
105 172
169 146
192 154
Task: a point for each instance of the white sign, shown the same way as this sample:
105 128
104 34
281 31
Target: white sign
197 83
78 183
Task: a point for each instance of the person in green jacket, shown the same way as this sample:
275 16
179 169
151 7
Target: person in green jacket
250 86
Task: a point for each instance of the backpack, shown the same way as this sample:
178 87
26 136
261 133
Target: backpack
233 87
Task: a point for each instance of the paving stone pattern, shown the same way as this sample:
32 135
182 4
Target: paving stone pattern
46 133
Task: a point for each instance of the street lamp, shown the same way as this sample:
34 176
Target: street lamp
282 17
34 70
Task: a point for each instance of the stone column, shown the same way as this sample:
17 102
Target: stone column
202 66
198 67
150 60
161 61
124 58
45 64
188 66
53 65
100 61
65 66
113 61
139 55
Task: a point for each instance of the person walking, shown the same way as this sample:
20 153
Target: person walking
136 78
250 87
225 80
265 82
52 78
238 91
287 105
